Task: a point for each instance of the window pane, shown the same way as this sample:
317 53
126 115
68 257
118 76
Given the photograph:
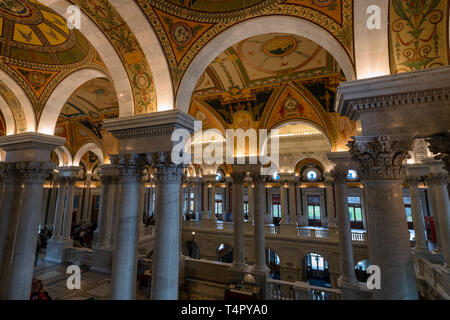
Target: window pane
354 200
407 200
317 210
311 212
408 214
350 211
358 214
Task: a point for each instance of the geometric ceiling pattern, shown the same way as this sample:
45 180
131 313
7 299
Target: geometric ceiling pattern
184 27
38 49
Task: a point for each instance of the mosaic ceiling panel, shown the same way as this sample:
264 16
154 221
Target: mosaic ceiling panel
38 49
129 50
418 34
184 27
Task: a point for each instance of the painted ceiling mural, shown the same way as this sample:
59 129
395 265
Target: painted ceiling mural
129 50
38 50
81 118
185 26
267 80
418 34
16 108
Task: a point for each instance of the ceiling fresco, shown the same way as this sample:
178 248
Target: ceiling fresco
38 50
184 27
128 48
418 34
268 80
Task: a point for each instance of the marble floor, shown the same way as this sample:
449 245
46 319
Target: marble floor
94 285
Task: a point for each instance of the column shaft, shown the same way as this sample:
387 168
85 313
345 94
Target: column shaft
238 217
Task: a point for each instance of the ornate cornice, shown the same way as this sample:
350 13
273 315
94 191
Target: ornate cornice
381 158
411 88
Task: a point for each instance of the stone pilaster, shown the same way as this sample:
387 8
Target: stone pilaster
380 160
166 250
329 190
124 268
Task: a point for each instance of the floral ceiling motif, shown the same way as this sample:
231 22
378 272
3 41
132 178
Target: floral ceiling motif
38 50
184 27
418 34
129 50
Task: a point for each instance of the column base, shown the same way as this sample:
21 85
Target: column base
56 250
353 290
102 257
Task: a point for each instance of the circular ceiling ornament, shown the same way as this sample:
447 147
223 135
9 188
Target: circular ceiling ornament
280 46
280 54
181 33
16 8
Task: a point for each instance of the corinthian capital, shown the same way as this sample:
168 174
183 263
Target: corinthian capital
381 158
166 171
131 166
34 171
440 146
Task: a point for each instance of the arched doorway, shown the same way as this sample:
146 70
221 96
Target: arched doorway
273 262
315 270
225 253
361 270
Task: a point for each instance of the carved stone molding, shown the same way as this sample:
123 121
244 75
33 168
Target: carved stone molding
238 177
381 158
131 166
437 178
440 146
166 171
8 172
34 171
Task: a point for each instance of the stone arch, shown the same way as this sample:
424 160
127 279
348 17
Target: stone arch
8 116
254 27
20 106
85 148
113 63
61 94
145 34
64 156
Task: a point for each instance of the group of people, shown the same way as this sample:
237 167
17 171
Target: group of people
38 291
83 234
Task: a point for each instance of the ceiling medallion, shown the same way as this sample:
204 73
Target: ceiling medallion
181 33
280 46
16 8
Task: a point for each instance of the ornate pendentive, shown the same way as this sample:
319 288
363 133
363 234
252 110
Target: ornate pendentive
34 171
131 166
166 171
440 146
381 158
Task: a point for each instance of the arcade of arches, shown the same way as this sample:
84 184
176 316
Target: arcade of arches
361 115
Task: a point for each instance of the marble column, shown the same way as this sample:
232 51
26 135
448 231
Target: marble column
205 200
251 202
51 207
439 182
166 250
347 280
21 272
260 247
381 169
227 200
61 240
213 202
59 211
104 210
85 215
283 202
9 219
68 209
198 199
292 203
124 267
414 175
238 218
329 190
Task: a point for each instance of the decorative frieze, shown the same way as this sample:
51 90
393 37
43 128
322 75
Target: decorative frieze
381 158
34 171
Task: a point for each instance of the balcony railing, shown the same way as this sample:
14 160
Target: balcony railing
284 230
283 290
